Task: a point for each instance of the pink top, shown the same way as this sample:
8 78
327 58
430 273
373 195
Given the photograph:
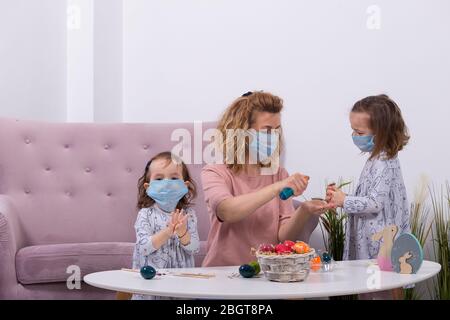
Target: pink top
230 243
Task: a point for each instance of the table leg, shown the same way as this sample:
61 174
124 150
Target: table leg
123 295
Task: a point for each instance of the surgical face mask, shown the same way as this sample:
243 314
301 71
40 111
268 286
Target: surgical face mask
263 144
364 143
167 193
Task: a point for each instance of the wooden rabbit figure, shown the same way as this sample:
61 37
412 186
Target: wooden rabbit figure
384 255
405 267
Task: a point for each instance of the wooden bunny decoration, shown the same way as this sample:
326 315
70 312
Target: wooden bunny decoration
384 254
405 267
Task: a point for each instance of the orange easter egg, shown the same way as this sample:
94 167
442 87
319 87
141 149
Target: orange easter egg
300 247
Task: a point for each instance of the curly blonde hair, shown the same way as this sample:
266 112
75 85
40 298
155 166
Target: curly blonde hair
240 116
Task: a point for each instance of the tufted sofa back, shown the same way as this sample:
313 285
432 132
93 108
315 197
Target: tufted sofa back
73 182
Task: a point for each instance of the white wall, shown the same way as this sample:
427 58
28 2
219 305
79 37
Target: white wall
174 60
80 61
94 61
108 47
187 60
61 60
33 59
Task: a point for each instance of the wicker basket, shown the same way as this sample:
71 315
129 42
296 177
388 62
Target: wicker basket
285 268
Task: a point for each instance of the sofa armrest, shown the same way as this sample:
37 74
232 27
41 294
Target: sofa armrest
11 239
309 227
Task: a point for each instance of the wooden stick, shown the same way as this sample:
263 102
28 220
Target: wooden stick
183 274
195 275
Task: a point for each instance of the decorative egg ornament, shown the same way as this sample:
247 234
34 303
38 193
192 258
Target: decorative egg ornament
148 272
266 248
326 257
255 265
247 271
301 247
406 254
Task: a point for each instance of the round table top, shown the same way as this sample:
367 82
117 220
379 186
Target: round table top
348 277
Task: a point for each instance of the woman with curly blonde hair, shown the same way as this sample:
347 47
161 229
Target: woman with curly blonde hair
242 193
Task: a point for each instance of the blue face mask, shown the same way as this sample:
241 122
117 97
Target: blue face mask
364 143
167 193
263 144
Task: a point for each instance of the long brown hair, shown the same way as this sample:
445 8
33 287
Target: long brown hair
387 124
240 115
144 201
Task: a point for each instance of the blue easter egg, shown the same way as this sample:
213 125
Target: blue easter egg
148 272
247 271
326 257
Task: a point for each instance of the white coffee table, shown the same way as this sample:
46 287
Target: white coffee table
349 277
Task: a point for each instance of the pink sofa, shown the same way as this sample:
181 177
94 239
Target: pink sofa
67 197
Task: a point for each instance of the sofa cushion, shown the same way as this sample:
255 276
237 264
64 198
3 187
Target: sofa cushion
49 263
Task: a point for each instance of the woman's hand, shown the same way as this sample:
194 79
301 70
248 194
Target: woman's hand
297 182
296 224
316 207
237 208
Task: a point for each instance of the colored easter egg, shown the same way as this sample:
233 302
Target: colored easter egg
289 243
301 247
255 265
315 263
266 248
282 249
326 257
148 272
247 271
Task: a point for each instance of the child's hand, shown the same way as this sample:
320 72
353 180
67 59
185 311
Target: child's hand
337 198
172 224
179 221
330 189
170 229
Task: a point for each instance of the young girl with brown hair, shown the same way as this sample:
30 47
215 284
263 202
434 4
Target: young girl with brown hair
380 199
166 226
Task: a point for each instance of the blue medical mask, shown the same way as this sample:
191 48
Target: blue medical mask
263 144
364 143
167 193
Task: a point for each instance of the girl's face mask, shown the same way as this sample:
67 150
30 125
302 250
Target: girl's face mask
167 193
362 135
364 143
